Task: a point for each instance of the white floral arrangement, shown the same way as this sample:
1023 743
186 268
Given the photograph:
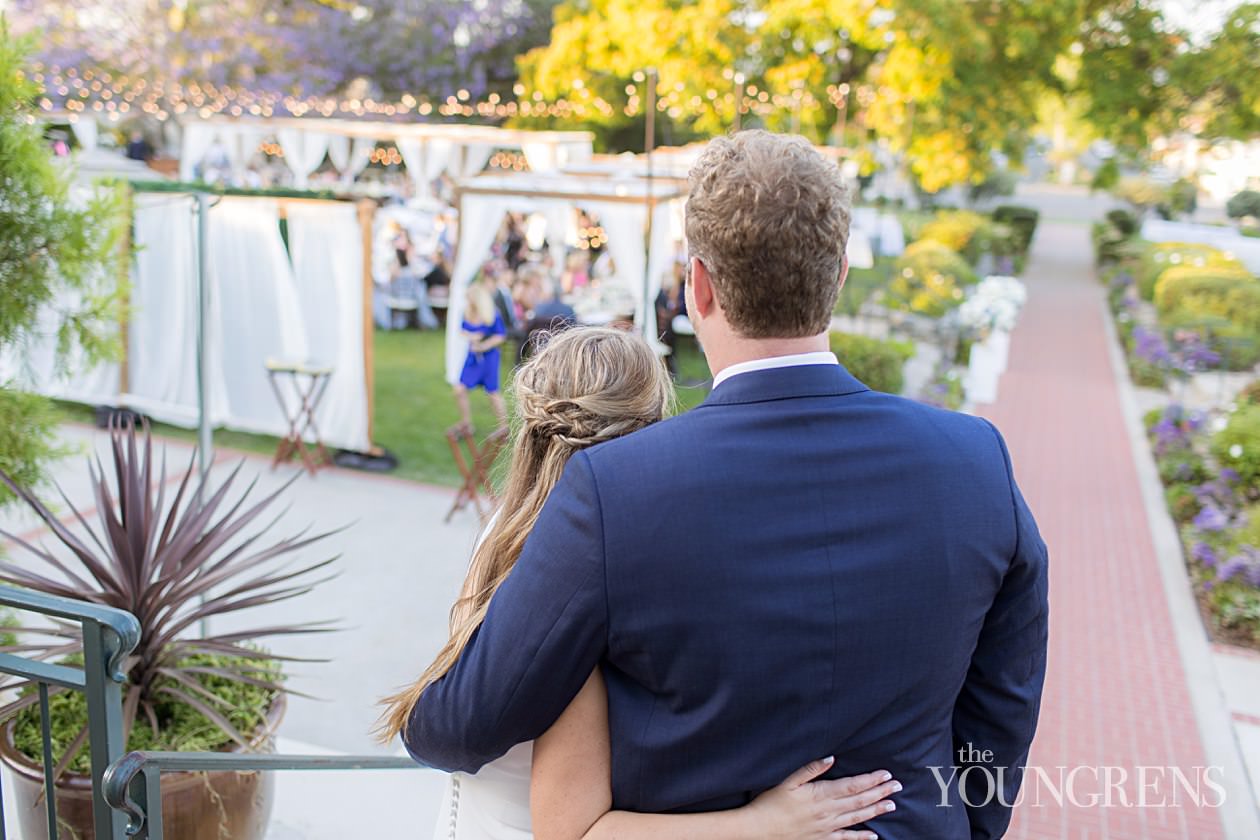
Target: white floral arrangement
994 304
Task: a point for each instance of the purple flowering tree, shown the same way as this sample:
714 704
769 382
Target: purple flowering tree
430 48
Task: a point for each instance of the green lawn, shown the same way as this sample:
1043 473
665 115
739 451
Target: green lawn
414 406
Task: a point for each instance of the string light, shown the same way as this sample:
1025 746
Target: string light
75 90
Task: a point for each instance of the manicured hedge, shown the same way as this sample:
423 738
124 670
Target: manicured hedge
876 363
1159 257
1023 220
1229 293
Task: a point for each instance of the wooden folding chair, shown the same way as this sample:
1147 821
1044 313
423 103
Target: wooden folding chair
474 463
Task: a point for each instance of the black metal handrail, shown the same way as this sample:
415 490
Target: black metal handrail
132 784
109 636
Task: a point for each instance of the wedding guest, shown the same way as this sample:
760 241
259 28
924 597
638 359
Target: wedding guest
550 314
404 282
670 303
576 272
514 247
485 332
138 148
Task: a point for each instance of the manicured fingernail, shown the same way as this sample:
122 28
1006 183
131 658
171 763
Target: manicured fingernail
829 759
890 806
885 776
896 787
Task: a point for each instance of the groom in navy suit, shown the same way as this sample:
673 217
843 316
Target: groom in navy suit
798 567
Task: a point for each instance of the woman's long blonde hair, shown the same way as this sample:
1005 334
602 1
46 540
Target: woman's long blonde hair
584 386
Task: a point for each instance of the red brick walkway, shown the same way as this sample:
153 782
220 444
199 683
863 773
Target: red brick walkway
1115 692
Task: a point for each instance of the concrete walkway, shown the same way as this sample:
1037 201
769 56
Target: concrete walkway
1130 681
400 570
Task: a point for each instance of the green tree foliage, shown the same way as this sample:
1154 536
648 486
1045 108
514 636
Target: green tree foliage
1129 68
58 253
1224 77
945 83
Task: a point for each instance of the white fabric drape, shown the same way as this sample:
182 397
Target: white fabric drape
859 249
473 159
661 253
303 152
162 344
85 131
242 143
892 238
360 156
576 153
479 221
560 219
255 313
327 251
198 138
339 151
437 157
412 151
626 226
541 156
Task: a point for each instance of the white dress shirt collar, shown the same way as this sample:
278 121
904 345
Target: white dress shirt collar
821 357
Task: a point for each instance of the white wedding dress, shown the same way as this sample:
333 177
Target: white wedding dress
492 804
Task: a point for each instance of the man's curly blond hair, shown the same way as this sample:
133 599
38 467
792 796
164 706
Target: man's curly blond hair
769 218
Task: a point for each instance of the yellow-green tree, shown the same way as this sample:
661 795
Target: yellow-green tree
945 82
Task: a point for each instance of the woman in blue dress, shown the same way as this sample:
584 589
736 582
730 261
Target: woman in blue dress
485 332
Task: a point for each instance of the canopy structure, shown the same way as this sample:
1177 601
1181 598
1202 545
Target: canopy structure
627 207
262 301
673 163
427 149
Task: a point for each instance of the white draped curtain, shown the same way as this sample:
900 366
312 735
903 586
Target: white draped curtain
162 345
473 159
412 151
560 223
198 138
255 310
626 223
327 250
859 249
85 131
661 255
350 158
541 156
437 157
303 152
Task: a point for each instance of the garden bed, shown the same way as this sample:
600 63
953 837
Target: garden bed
1188 318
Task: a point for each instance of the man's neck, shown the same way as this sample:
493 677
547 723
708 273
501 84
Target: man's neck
742 350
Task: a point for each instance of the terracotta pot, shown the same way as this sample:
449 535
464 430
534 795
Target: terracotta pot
195 806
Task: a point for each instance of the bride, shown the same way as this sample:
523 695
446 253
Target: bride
584 387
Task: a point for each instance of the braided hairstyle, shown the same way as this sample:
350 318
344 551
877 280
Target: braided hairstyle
583 386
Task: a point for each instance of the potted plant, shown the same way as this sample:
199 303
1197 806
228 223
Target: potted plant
173 564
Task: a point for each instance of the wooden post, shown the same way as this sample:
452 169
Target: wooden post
367 212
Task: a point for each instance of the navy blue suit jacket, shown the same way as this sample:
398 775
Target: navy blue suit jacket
798 567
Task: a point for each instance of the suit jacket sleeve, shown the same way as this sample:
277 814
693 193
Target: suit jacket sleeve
543 635
998 706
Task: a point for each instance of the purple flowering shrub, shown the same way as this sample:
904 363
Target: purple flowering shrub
1215 503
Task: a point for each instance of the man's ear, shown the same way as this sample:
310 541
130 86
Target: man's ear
702 288
844 270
